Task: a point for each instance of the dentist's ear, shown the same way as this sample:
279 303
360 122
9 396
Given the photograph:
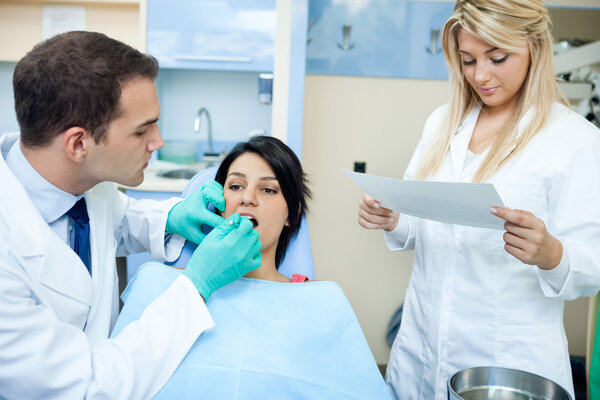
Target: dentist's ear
76 142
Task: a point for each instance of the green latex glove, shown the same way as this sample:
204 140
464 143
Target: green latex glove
227 253
187 217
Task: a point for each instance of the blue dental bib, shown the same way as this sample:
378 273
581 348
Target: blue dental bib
271 341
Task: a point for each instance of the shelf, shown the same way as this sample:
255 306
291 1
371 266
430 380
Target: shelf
124 20
578 57
576 90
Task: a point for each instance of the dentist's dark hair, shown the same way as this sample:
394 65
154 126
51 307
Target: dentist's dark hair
289 174
74 79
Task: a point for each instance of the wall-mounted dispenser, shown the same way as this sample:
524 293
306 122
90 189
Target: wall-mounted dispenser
265 88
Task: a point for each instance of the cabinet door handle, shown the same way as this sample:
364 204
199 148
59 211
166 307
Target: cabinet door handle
435 35
213 58
345 45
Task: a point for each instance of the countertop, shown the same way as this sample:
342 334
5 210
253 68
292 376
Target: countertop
154 183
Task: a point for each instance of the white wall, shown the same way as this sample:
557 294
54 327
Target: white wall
379 121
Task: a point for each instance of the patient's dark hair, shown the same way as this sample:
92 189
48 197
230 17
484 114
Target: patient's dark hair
74 79
288 171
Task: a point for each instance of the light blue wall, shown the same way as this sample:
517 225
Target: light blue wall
8 118
231 98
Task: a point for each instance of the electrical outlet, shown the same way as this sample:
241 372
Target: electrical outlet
360 166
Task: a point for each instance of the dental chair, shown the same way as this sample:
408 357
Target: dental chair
298 257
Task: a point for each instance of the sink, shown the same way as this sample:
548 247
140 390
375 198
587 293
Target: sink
169 170
178 174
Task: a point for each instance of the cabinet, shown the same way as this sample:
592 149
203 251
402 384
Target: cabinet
224 35
402 39
399 39
21 21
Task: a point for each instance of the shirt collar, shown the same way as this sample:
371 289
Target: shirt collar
51 202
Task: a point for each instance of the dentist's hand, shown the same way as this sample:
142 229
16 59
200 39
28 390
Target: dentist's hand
528 240
187 217
227 253
372 216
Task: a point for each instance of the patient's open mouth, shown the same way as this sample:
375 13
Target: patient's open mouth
254 221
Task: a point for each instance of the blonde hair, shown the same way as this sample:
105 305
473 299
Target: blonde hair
502 24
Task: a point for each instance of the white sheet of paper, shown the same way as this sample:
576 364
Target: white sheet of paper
58 18
452 203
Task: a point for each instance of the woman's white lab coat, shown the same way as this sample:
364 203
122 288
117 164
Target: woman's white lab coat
470 303
55 319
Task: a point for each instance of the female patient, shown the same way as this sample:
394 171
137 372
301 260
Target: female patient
273 195
274 337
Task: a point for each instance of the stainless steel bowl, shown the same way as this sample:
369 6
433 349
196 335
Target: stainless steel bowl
494 383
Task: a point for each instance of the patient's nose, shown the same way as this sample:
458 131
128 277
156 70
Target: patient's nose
249 198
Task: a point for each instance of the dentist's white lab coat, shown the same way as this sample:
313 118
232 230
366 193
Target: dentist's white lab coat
55 319
469 303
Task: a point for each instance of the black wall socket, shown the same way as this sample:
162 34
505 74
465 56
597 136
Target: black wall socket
360 166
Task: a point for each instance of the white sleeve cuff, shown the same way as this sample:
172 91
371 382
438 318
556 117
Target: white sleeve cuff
173 245
557 277
398 238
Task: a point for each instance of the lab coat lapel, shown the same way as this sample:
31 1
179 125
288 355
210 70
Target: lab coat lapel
523 123
63 271
6 142
460 143
46 257
30 239
61 268
98 213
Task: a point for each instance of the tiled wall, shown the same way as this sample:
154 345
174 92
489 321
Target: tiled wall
230 97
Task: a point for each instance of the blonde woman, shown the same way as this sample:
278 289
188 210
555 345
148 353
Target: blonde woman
483 297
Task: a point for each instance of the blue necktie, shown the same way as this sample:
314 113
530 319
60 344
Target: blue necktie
81 239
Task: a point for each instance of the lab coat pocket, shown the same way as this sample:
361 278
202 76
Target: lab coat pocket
532 348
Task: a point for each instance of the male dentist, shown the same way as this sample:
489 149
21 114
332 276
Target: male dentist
87 109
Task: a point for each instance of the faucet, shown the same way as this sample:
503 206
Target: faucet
201 111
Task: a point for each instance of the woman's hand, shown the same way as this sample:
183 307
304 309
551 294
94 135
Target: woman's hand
372 216
527 238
